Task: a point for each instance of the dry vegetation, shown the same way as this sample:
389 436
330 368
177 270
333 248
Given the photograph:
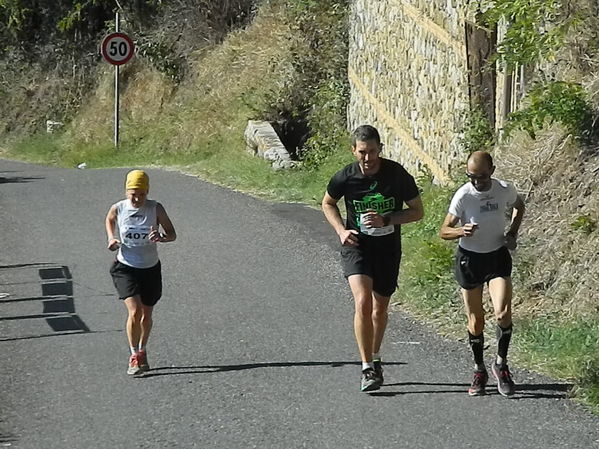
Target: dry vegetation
558 258
188 114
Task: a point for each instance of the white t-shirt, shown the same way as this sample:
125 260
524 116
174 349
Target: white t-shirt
488 209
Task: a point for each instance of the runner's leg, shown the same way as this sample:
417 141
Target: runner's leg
500 289
134 310
146 323
379 319
361 287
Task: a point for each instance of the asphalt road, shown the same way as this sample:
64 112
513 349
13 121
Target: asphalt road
252 345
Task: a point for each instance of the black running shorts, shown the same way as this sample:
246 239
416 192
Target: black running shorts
130 281
376 259
472 269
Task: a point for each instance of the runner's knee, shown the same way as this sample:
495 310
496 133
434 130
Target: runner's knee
379 313
363 307
476 324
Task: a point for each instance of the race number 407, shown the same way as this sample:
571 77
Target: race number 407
117 48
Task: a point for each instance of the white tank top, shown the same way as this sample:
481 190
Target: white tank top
134 230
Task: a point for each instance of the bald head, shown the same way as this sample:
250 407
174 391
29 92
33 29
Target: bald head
480 168
480 160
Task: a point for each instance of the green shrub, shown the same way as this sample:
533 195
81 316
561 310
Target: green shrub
584 223
161 56
536 29
327 123
320 63
557 101
478 133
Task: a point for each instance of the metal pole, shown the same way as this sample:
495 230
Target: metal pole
116 93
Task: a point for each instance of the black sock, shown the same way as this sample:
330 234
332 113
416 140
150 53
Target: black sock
504 335
476 344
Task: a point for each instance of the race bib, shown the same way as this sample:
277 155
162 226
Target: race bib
136 236
375 232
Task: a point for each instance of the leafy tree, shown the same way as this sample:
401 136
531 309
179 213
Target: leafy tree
535 28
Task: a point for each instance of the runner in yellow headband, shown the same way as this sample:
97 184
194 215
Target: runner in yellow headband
137 179
136 271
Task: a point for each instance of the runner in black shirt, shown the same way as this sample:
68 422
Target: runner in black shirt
375 190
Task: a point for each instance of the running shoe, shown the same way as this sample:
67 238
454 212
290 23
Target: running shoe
142 360
378 372
505 384
479 383
369 380
133 365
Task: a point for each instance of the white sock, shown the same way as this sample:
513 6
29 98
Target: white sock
376 356
133 350
367 365
142 348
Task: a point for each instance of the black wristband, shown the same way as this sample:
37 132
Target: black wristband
386 220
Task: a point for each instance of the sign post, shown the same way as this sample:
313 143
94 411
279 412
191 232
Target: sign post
117 49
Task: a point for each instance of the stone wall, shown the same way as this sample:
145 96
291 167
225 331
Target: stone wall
408 77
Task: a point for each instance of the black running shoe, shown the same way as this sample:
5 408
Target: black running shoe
479 383
369 380
378 371
505 384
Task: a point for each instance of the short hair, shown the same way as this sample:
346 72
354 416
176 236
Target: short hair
363 133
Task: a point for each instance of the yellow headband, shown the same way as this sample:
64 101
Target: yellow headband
137 179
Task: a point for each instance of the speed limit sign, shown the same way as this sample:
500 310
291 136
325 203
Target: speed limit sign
117 48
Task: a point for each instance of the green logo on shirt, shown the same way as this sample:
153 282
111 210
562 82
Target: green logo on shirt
375 202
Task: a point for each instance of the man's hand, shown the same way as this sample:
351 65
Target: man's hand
349 237
114 244
468 229
510 241
372 219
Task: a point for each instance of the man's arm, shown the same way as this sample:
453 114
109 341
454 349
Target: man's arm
449 231
333 216
517 215
414 212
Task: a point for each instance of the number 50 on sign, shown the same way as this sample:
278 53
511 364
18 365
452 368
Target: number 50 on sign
117 48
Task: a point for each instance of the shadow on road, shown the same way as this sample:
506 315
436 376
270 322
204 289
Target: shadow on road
16 179
7 440
57 299
539 391
57 334
178 370
526 391
457 388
